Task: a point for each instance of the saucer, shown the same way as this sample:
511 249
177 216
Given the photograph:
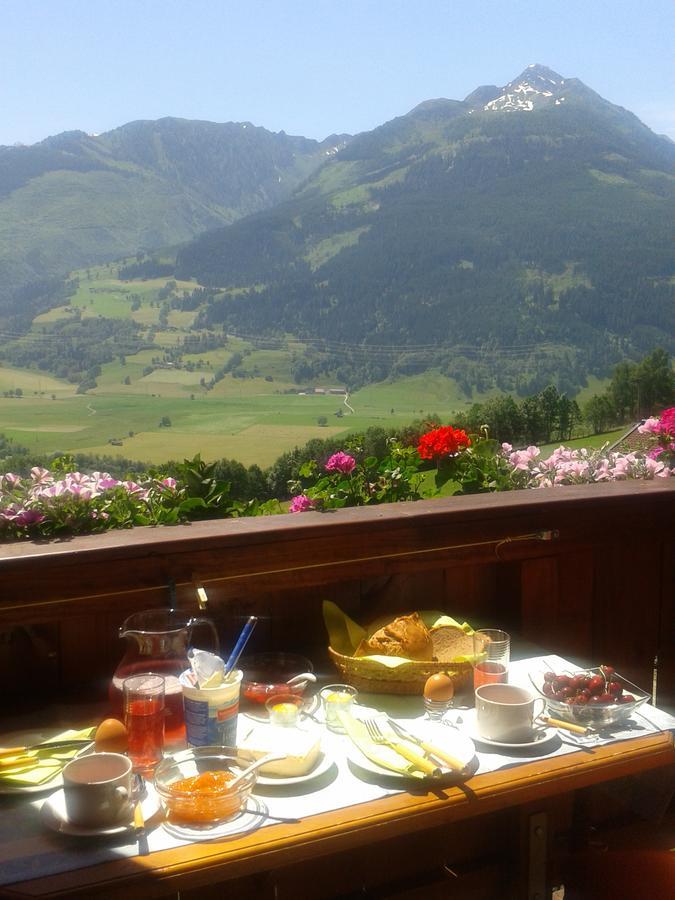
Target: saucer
542 736
246 820
54 816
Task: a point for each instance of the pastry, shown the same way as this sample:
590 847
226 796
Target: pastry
407 637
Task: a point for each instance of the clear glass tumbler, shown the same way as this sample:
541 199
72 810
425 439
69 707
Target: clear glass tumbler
144 718
491 656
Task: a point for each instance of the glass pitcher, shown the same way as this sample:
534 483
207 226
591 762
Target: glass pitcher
158 641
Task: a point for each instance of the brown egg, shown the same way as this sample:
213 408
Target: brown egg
439 687
111 737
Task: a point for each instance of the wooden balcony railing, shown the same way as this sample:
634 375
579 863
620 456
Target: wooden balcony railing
586 571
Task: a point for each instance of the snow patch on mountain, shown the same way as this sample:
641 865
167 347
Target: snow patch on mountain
530 90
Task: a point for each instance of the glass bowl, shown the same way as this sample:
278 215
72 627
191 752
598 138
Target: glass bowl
266 674
192 786
596 715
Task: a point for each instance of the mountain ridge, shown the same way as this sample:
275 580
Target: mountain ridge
526 219
76 199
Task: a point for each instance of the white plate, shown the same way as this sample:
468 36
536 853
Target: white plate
246 821
542 736
26 739
54 816
449 739
322 765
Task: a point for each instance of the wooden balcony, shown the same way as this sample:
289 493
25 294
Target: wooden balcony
586 571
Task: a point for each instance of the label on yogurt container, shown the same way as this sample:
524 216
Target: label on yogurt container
211 713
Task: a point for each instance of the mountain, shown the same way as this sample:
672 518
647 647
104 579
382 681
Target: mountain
75 199
532 221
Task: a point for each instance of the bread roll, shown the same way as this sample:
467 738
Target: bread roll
407 637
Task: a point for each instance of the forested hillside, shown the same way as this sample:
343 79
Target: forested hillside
521 235
76 199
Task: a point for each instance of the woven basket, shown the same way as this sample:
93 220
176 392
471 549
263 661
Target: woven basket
371 676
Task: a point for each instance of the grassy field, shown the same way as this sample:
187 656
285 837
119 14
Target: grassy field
241 419
253 418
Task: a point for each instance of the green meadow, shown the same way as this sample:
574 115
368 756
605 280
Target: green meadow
253 418
241 419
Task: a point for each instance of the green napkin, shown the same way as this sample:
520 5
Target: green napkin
380 754
344 635
45 763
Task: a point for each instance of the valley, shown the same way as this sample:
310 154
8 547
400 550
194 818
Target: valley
252 416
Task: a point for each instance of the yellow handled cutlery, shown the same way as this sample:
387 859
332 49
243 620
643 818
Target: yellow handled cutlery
451 762
420 762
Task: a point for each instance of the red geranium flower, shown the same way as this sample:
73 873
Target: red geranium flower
446 441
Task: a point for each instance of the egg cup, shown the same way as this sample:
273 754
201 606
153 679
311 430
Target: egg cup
436 709
439 694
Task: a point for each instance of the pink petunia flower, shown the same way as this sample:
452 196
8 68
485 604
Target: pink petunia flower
649 426
29 517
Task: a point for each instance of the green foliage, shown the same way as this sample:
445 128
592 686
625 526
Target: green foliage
478 469
390 479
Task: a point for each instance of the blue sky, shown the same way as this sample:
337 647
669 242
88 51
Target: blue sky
312 67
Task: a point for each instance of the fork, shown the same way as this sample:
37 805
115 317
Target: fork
420 762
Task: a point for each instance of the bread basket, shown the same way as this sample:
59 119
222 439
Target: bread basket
381 674
367 674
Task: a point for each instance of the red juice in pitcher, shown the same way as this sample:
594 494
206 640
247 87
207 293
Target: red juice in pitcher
157 642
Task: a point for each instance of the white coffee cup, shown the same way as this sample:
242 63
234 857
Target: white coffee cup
506 713
98 790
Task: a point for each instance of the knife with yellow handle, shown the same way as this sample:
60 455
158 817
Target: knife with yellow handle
60 746
420 762
450 761
565 726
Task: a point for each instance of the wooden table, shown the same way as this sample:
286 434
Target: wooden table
396 838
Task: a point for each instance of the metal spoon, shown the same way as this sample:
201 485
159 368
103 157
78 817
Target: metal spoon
271 757
305 678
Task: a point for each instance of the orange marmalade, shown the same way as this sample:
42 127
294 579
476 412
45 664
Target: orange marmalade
202 799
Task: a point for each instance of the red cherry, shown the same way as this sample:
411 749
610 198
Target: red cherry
607 670
597 684
581 699
549 676
614 688
579 682
563 681
547 689
585 693
627 698
604 698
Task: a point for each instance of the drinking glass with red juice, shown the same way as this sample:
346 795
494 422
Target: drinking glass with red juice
174 717
144 718
491 655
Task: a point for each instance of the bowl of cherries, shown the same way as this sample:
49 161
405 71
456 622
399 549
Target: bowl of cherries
597 696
